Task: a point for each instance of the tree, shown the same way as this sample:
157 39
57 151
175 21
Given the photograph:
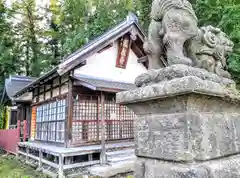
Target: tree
84 20
29 28
38 38
7 49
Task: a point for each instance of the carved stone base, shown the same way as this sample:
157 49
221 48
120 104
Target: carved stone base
224 168
184 123
179 71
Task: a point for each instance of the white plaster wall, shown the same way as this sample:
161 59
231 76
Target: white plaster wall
41 98
55 92
47 95
103 65
64 88
34 99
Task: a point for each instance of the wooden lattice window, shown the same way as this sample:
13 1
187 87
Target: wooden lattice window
86 124
119 120
85 119
50 121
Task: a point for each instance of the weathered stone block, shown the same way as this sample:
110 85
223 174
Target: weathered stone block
179 71
226 168
185 120
159 169
187 136
161 137
185 128
176 87
139 168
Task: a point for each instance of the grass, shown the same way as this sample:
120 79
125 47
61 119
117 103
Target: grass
10 167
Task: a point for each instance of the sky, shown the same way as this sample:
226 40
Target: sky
38 2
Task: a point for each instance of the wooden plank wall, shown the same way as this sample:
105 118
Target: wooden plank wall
51 90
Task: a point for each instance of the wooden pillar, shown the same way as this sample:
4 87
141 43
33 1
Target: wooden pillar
60 85
27 151
24 130
44 92
21 109
121 121
98 116
68 160
68 127
51 90
18 136
28 119
38 94
40 160
19 130
103 159
90 157
60 167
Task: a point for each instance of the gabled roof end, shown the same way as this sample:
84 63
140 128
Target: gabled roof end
132 17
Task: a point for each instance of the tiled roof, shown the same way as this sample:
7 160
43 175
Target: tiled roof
15 83
122 28
102 84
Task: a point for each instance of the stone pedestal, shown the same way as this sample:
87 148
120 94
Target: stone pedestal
186 126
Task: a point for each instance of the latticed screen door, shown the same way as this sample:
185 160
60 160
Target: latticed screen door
86 124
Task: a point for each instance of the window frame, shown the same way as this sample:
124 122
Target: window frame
50 121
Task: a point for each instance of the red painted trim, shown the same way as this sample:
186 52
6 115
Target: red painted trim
9 139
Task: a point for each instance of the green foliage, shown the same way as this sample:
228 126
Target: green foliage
7 49
85 20
28 32
2 116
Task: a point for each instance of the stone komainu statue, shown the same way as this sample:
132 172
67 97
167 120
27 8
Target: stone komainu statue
174 38
173 22
210 49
